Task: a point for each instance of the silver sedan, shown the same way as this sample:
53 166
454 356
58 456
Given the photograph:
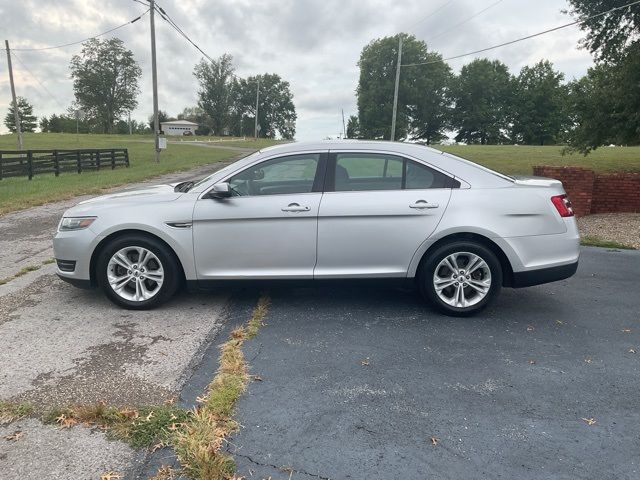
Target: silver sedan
328 210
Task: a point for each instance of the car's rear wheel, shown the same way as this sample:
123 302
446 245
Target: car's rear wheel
137 272
460 278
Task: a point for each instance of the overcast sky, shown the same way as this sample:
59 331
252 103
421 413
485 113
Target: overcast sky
313 44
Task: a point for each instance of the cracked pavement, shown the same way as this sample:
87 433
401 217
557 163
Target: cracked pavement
60 345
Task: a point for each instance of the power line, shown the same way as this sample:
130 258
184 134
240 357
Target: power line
134 20
38 80
511 42
464 21
431 14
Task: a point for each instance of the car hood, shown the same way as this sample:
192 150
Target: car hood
154 193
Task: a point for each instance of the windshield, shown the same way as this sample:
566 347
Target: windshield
207 178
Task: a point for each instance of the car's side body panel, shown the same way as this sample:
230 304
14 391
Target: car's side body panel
375 233
256 237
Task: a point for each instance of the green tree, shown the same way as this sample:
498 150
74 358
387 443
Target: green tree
215 95
28 121
540 112
482 96
353 127
607 35
105 81
605 104
162 117
276 111
422 93
197 115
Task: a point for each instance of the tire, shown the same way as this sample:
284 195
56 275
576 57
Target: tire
151 283
479 287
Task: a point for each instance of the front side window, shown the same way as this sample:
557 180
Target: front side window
278 176
373 171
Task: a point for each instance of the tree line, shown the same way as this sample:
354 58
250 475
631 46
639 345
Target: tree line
106 86
487 104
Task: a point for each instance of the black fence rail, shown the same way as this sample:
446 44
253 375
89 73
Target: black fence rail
28 163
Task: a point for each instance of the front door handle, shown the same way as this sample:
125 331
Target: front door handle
295 207
422 204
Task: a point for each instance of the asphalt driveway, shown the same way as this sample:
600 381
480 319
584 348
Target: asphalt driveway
361 383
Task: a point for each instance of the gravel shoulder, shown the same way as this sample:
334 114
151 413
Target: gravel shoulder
623 228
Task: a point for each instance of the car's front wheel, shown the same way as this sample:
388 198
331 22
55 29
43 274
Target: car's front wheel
460 278
137 272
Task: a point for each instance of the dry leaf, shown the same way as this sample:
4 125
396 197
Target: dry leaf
587 360
530 328
434 441
66 422
532 362
365 362
626 330
257 378
110 476
589 421
632 350
559 322
15 436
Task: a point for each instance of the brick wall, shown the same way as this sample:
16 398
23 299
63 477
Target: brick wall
596 193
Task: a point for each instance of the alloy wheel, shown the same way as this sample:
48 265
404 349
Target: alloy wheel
135 274
462 279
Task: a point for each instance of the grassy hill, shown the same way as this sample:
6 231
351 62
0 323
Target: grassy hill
18 193
519 160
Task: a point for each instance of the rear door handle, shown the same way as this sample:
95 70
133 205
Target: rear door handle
295 207
422 204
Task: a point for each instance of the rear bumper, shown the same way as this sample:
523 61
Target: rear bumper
543 275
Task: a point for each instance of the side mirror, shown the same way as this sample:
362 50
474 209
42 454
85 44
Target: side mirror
220 190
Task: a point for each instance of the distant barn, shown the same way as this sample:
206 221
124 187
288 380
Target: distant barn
179 127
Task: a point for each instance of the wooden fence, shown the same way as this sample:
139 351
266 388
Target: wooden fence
27 163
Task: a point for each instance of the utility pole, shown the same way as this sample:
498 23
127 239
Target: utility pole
154 76
255 134
395 93
16 114
344 130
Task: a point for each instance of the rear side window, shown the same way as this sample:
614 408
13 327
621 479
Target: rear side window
373 171
420 176
359 172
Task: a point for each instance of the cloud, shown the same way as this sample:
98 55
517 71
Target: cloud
313 44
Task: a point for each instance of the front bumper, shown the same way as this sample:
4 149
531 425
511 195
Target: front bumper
74 246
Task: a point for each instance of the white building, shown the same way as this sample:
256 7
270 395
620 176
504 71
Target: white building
178 127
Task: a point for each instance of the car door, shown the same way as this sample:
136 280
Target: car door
376 211
268 227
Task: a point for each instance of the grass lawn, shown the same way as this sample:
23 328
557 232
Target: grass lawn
518 160
247 142
18 193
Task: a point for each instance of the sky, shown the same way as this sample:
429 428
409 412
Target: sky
313 44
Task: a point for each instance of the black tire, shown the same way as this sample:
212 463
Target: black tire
432 261
169 262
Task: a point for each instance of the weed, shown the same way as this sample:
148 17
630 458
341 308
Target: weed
10 412
592 241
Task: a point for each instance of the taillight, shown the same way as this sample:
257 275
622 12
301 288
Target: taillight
563 205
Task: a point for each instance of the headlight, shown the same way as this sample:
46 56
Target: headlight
75 223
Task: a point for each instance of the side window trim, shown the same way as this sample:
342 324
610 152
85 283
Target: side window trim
332 158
